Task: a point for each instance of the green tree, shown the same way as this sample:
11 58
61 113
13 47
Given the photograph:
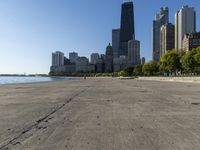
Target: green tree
191 61
138 70
122 73
197 59
150 68
128 71
188 62
170 62
197 55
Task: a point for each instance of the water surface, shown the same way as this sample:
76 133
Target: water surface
27 79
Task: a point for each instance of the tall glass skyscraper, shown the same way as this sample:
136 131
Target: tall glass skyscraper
127 29
161 19
115 42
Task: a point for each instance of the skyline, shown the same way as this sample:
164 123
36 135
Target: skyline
56 27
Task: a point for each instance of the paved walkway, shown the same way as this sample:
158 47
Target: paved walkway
173 79
100 114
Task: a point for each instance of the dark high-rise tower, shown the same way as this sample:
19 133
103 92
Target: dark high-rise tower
127 29
109 59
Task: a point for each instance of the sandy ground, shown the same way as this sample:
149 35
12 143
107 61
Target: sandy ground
100 114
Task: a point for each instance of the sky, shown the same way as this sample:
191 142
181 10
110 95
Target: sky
30 30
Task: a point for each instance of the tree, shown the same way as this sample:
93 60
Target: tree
188 62
122 73
191 61
197 60
170 62
138 70
197 55
128 71
150 68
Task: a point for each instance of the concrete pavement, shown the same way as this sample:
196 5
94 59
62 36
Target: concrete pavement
100 114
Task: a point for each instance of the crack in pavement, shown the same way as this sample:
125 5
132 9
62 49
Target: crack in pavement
14 141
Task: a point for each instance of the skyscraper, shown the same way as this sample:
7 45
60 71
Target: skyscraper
73 56
82 64
185 22
57 59
94 58
161 19
134 52
109 59
115 42
166 38
127 29
143 60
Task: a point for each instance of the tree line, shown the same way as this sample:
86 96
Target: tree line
174 62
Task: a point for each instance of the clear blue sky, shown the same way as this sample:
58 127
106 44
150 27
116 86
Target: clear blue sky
30 30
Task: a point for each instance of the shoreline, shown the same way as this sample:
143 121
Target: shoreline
162 79
33 80
172 79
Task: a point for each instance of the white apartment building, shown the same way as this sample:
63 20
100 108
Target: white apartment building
185 22
57 59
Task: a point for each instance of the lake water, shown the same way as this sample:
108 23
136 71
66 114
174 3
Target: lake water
24 79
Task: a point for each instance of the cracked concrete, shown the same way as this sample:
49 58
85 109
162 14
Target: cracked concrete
100 113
